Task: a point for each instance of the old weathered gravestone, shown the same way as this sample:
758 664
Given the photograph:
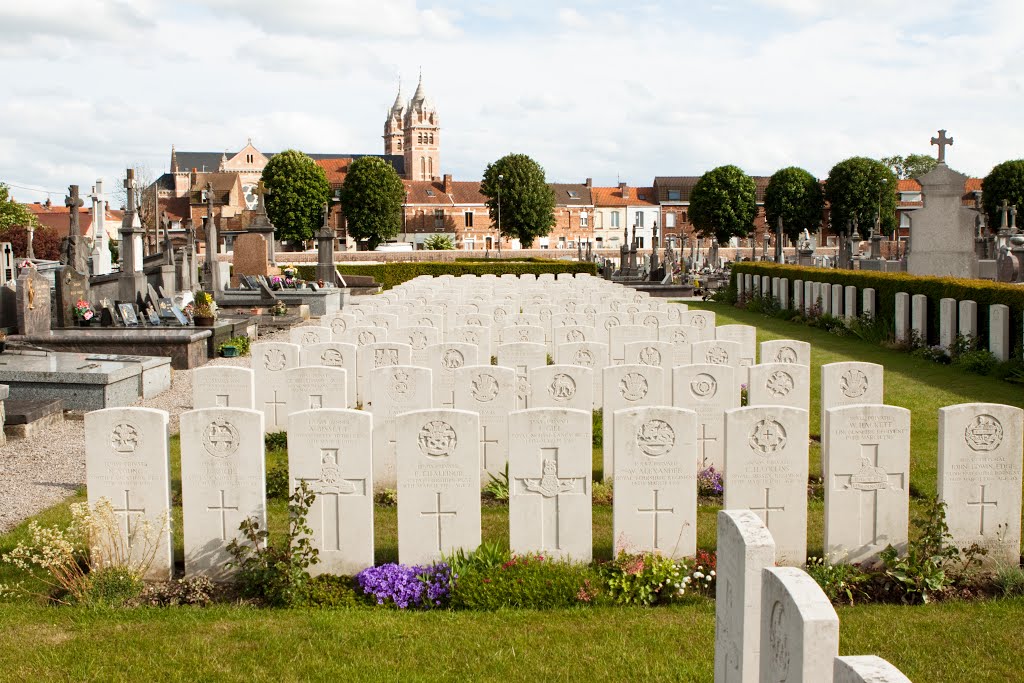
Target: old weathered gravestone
250 257
33 302
438 484
221 386
550 483
71 286
330 451
127 462
655 475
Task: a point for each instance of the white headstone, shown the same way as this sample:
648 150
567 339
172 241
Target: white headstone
573 334
127 462
786 351
330 450
591 355
443 360
681 337
309 387
472 334
799 627
627 386
522 357
370 357
418 338
621 335
339 324
223 482
766 471
745 335
780 384
702 320
980 451
902 316
999 331
549 476
490 391
657 353
721 352
309 334
744 548
394 390
866 466
269 361
849 383
222 386
361 335
438 484
709 391
334 355
655 507
865 669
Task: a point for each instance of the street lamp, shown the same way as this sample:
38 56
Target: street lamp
501 177
405 214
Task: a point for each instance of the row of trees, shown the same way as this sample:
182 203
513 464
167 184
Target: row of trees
723 203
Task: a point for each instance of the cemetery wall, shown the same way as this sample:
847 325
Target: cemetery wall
887 285
392 274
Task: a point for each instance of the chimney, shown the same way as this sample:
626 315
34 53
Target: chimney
48 203
192 178
447 183
590 182
624 190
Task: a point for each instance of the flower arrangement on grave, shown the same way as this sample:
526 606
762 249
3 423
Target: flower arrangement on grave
204 306
287 280
279 308
83 310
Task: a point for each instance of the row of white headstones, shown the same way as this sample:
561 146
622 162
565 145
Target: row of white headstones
775 623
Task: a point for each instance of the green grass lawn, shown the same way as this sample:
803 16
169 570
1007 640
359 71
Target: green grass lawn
952 641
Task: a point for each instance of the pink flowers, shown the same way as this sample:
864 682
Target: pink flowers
83 310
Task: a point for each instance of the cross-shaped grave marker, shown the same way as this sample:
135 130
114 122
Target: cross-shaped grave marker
222 508
981 504
437 513
655 512
551 488
942 141
869 479
767 509
127 512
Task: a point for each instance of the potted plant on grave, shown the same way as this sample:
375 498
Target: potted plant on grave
83 313
280 308
204 310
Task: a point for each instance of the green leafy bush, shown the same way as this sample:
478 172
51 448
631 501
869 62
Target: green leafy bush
195 590
386 498
439 243
113 586
602 492
842 583
276 441
241 342
278 482
645 579
391 274
529 581
497 487
597 430
332 592
1010 581
276 574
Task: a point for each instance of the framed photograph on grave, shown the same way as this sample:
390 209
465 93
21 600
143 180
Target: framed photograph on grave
165 308
152 316
109 312
179 315
128 314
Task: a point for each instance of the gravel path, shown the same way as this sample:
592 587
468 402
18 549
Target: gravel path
40 471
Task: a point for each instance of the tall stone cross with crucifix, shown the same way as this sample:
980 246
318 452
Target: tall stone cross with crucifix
262 190
74 203
942 141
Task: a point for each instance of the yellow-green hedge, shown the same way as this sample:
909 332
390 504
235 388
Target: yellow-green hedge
886 285
391 274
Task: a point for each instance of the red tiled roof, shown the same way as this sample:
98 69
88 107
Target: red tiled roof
612 196
432 192
336 169
57 218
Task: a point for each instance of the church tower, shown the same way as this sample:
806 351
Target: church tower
393 136
422 144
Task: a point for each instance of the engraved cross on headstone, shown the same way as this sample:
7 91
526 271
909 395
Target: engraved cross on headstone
127 512
223 509
276 403
485 441
655 512
330 488
702 440
550 487
942 141
767 509
869 479
437 513
981 504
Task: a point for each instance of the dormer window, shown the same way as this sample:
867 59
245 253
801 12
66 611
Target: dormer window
673 195
430 193
573 194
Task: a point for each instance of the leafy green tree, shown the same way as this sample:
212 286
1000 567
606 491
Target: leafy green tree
861 187
371 198
1004 181
527 202
723 203
796 196
298 191
13 214
439 243
910 166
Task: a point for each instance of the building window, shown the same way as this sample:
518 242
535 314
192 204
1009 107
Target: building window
573 194
438 218
584 217
615 219
640 242
419 138
469 219
670 219
423 169
673 195
685 219
430 163
399 144
904 220
639 222
431 138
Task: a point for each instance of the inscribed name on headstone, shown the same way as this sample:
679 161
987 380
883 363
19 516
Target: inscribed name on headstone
766 471
127 462
980 451
591 355
709 391
779 384
786 351
562 386
490 391
549 476
438 484
334 355
269 361
744 548
331 451
309 387
799 627
443 360
655 507
866 467
627 386
394 390
223 386
223 482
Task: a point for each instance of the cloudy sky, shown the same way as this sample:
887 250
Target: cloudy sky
603 89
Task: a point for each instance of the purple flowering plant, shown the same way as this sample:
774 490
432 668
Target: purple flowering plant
709 482
422 587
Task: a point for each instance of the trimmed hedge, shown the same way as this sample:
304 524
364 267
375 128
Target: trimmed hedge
392 274
886 285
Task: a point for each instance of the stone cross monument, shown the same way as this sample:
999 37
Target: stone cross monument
74 203
780 256
325 250
261 224
101 262
132 281
942 142
211 280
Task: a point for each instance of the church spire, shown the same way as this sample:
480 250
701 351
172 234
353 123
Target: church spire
418 96
398 106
